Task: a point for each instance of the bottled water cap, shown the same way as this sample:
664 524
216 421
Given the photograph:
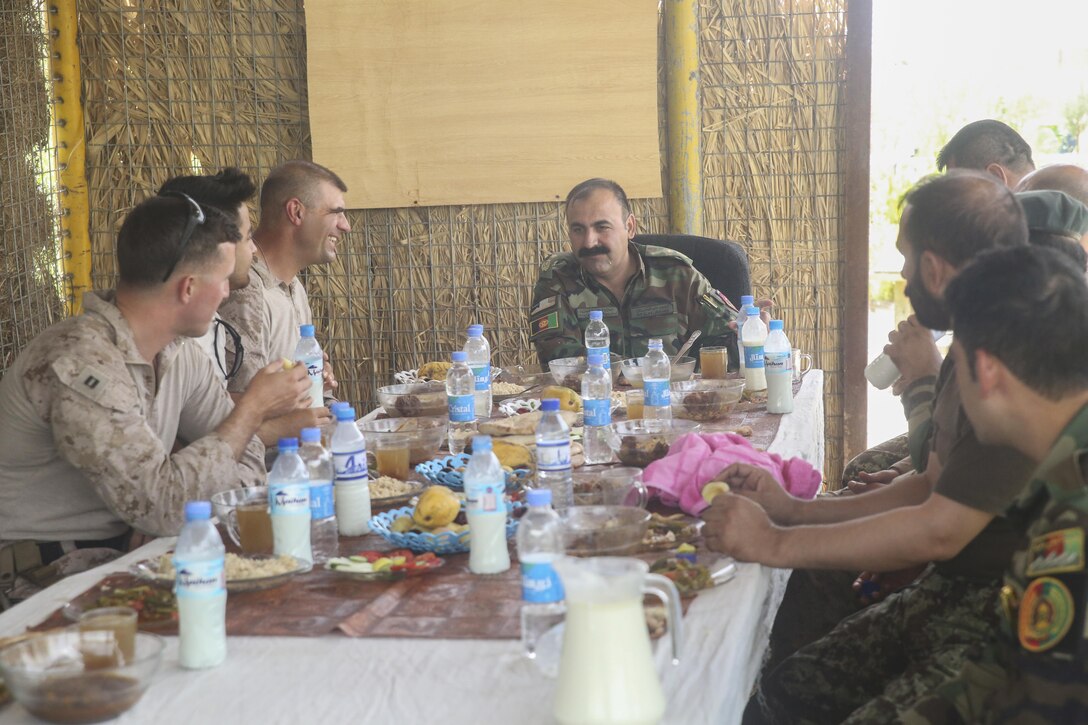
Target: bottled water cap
311 435
776 324
751 311
549 405
475 330
481 443
306 330
288 444
458 356
539 497
746 300
198 510
596 315
596 358
345 412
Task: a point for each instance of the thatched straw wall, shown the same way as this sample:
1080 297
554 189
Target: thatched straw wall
215 84
30 298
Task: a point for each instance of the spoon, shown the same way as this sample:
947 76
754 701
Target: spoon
687 345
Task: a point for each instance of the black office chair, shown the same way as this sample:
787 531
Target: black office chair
723 263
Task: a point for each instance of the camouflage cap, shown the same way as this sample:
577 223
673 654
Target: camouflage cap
1054 212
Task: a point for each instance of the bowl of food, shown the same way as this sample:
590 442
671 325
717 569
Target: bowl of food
415 400
604 530
421 436
71 676
599 486
568 371
641 442
704 400
682 369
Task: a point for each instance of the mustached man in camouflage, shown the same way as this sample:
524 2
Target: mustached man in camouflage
644 291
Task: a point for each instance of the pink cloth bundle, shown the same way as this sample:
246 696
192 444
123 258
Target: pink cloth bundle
696 458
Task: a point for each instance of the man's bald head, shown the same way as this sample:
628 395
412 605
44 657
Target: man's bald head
1071 179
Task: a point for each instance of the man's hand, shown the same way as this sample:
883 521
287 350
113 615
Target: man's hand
874 586
289 425
764 313
275 391
738 527
331 383
758 485
913 350
872 481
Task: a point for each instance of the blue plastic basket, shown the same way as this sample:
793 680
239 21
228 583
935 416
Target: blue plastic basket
435 472
444 543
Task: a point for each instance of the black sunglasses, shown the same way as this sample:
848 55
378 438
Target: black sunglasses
239 351
194 219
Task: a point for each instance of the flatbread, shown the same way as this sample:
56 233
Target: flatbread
523 424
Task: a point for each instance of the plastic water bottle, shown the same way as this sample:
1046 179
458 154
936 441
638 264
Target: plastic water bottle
553 468
289 503
746 301
324 539
656 371
201 588
778 366
351 486
540 542
485 487
461 394
308 353
755 334
479 359
597 337
597 408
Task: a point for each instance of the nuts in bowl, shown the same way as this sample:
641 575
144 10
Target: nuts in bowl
705 400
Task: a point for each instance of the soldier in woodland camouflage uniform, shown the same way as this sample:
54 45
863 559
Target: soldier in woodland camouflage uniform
95 406
1036 669
644 291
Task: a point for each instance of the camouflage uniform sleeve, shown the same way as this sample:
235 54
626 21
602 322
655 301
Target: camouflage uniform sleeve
708 310
918 408
553 324
246 311
102 431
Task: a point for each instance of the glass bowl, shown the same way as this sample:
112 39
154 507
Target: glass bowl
604 530
67 676
415 400
568 371
641 442
611 486
422 436
704 400
682 369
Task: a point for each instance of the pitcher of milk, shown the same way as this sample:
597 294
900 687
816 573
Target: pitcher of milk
606 670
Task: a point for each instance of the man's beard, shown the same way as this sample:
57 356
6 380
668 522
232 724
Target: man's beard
929 310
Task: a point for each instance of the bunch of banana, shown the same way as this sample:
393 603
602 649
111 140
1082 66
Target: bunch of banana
434 370
568 399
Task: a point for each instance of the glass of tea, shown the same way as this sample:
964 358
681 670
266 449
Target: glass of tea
714 362
254 527
634 404
109 638
392 454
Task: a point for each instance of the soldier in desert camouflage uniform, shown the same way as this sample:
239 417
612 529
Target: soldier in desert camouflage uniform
644 291
95 406
1036 669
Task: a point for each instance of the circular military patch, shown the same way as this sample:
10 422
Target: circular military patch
1046 614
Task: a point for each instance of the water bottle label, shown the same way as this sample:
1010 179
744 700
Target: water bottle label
321 503
462 408
485 498
553 455
778 363
753 356
656 393
597 412
289 499
539 583
482 373
200 579
350 466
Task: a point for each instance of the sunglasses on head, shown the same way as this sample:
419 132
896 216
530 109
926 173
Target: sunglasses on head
194 219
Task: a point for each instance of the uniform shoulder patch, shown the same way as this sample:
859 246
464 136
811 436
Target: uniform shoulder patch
94 381
1056 552
548 303
1046 614
542 324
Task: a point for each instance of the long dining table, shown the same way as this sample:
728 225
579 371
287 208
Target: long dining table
335 678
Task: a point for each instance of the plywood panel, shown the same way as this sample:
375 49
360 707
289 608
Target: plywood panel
470 102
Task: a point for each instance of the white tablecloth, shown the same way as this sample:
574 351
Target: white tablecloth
333 679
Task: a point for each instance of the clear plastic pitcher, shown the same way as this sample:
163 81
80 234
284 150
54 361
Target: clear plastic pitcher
606 670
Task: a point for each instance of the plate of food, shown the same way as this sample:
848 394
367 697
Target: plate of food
517 406
449 471
156 606
244 573
384 565
693 572
389 491
668 532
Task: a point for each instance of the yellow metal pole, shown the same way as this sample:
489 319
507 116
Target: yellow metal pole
682 111
71 151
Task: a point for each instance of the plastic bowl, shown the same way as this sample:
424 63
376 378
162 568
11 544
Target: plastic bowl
446 542
641 442
67 675
632 370
423 436
568 371
704 400
604 530
414 400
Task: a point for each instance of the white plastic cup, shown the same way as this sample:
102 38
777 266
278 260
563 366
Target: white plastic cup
882 372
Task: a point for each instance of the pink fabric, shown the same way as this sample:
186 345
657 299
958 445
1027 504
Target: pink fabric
696 458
